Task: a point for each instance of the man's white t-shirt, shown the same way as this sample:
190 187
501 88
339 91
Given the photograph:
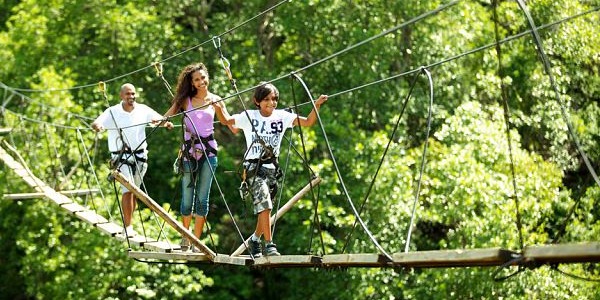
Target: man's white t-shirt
270 129
133 125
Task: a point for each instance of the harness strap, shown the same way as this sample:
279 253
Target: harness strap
201 140
128 151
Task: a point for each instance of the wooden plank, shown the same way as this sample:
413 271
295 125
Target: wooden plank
73 207
30 179
23 196
163 214
91 217
5 131
354 260
453 258
565 253
137 240
288 261
174 256
233 260
285 208
111 229
161 246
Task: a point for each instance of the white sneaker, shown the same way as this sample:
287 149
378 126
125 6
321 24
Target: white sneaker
129 232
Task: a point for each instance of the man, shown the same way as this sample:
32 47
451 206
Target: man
127 143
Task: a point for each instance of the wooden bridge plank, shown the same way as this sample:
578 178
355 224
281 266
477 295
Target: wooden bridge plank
91 217
111 229
161 246
73 207
288 261
5 131
174 256
565 253
353 260
71 193
453 258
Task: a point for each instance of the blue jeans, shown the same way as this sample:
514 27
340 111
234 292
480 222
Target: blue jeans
194 196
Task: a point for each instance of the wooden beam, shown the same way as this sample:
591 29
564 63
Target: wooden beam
565 253
23 196
163 214
5 131
453 258
175 256
285 208
353 260
288 261
30 179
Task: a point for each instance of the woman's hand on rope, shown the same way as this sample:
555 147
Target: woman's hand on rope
217 104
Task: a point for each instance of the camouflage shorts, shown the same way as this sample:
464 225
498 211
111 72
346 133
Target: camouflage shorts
263 187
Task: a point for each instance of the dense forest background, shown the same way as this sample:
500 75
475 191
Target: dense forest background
53 54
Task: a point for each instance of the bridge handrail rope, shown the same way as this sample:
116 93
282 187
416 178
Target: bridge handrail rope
507 116
226 66
347 49
563 109
311 175
23 97
458 56
56 156
337 170
513 37
163 60
93 170
423 159
391 138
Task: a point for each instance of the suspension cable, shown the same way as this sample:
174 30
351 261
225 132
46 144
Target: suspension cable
337 169
423 159
504 98
396 126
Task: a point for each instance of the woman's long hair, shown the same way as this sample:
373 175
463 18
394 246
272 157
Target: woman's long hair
185 89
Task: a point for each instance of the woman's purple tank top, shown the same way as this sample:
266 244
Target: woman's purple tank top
199 123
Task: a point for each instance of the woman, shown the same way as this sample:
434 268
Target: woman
199 150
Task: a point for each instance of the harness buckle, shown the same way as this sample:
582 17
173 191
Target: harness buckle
244 190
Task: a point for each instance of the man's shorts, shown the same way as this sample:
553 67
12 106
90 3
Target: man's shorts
263 187
133 176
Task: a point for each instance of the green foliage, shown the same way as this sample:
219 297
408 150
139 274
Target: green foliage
466 199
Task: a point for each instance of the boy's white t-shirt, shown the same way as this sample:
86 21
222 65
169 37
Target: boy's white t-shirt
270 129
133 135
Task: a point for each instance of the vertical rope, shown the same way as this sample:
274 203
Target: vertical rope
506 109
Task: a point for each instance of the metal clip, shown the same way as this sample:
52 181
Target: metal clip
244 190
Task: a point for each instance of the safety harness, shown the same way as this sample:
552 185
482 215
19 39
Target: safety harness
195 168
195 140
122 159
266 158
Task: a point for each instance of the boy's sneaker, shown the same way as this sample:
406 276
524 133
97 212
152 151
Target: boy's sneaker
271 250
255 248
184 244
